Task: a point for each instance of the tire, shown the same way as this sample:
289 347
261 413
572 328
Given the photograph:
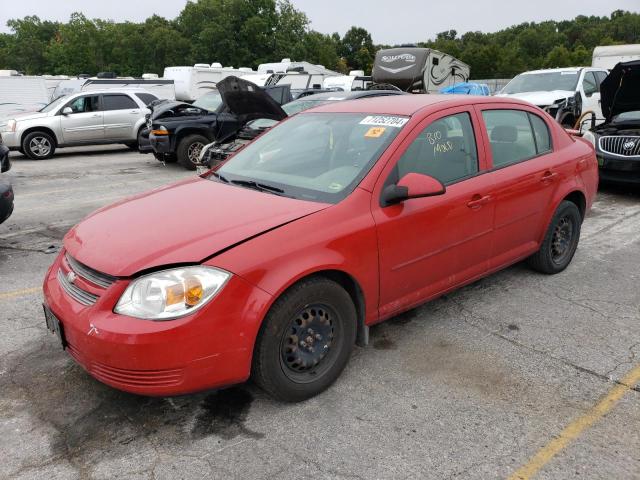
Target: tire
560 242
291 368
188 150
38 145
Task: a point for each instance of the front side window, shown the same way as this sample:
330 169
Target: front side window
515 135
85 104
119 102
445 150
313 156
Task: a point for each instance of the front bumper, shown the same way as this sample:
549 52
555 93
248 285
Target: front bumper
144 144
11 140
209 349
618 169
160 143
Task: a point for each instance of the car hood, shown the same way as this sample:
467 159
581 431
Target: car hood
248 101
24 116
541 99
620 91
183 223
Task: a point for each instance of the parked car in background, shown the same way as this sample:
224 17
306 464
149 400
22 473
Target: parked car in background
217 152
179 131
334 220
99 117
617 140
566 93
6 191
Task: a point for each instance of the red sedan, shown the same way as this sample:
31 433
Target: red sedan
275 264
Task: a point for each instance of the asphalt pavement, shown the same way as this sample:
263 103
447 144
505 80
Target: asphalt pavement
517 374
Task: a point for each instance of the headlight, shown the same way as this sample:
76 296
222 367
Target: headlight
590 137
10 126
171 293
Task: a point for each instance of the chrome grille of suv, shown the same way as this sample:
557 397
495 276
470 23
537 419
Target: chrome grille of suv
83 297
101 279
622 146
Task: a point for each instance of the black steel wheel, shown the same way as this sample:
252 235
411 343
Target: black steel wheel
305 341
560 241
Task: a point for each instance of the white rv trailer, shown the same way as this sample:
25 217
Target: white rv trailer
356 80
160 87
21 93
193 82
608 57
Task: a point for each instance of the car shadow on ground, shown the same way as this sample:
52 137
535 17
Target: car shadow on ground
624 190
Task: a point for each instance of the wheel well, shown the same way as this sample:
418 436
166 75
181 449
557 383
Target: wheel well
579 200
354 290
186 132
46 130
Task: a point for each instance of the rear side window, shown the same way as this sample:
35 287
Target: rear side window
146 98
445 150
541 134
118 102
511 136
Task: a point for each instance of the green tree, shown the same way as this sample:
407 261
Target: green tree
357 49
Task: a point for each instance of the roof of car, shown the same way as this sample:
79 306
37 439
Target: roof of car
406 104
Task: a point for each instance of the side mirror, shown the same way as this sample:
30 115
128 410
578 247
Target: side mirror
412 185
67 111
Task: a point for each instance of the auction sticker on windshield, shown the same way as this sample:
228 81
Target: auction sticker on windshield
375 132
384 121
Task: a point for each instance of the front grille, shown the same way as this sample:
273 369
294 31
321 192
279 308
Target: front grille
98 278
81 296
624 146
136 378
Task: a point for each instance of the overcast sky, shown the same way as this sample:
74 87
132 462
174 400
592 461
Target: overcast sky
392 22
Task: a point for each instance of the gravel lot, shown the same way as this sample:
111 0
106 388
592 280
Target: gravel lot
472 385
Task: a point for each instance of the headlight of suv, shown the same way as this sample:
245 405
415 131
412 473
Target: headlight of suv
10 126
170 294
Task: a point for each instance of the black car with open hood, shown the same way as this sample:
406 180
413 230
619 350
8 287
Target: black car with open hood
179 130
617 140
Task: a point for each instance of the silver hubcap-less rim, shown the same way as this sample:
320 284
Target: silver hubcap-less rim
194 152
40 146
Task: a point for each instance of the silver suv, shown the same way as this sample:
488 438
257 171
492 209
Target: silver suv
86 118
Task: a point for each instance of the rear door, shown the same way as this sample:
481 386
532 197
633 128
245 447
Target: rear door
524 173
121 112
84 124
428 245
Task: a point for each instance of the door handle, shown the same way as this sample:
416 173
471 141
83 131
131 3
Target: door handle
134 112
97 115
549 177
478 201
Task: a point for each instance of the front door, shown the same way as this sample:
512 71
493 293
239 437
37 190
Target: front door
428 245
590 90
84 124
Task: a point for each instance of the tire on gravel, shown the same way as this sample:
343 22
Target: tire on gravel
560 241
317 311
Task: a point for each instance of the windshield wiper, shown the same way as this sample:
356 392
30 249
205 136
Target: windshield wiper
258 186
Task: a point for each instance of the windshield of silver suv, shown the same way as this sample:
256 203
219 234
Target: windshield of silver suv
313 156
543 82
53 105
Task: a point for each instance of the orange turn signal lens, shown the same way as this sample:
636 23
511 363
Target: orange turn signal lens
193 291
160 132
175 294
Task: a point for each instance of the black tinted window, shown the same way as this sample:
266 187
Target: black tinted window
541 134
89 103
118 102
445 150
146 98
511 136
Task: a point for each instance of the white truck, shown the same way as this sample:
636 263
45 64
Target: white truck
607 57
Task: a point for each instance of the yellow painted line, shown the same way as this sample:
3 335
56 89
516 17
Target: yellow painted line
579 425
19 293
